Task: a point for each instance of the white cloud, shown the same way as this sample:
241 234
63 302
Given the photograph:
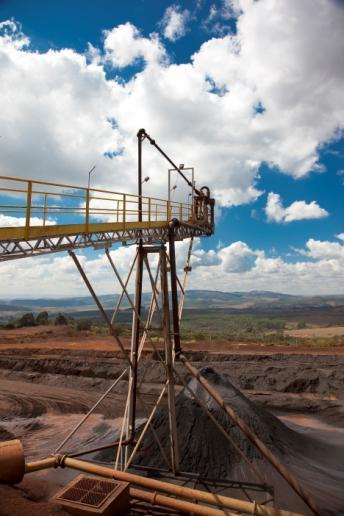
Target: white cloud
237 257
12 35
219 15
298 210
174 22
124 44
57 276
54 115
318 250
204 258
340 236
233 8
236 267
9 221
64 114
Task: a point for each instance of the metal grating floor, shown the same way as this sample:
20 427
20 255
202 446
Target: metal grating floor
89 492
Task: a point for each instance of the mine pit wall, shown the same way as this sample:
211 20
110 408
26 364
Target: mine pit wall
70 381
313 374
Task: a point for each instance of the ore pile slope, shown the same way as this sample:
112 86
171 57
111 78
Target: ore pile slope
205 450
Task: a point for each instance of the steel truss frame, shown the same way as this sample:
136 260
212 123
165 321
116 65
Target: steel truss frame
140 334
152 241
129 440
14 249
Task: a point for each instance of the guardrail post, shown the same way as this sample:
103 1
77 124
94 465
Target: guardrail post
124 209
87 209
44 209
28 209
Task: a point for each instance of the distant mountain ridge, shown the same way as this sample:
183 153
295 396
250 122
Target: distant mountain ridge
196 299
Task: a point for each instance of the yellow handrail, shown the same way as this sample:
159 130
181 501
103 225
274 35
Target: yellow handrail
57 205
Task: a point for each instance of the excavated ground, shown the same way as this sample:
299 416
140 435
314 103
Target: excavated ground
48 382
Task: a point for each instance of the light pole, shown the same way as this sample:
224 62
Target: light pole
190 183
89 176
141 135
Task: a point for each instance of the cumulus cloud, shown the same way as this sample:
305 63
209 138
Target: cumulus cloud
318 250
9 221
219 15
240 101
36 279
239 267
55 114
174 22
237 257
236 267
124 44
298 210
205 258
340 236
12 35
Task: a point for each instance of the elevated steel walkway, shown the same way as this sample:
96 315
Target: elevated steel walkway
40 217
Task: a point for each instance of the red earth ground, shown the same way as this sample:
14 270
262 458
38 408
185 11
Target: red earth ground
66 337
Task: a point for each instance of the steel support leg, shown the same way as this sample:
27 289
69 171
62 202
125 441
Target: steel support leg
174 292
135 340
100 306
169 363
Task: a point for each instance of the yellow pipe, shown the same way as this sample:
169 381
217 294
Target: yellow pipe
224 502
49 462
179 505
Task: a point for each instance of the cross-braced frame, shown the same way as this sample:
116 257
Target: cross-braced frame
155 266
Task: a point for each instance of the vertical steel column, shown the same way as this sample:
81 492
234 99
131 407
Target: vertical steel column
174 291
169 363
135 332
140 137
135 340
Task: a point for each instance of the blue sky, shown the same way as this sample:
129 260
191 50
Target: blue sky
195 74
74 24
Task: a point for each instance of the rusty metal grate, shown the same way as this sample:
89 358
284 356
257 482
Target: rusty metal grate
90 492
86 495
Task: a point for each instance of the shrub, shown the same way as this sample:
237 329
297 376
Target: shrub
9 326
26 320
61 320
83 325
42 318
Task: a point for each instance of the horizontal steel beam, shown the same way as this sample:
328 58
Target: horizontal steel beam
22 248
